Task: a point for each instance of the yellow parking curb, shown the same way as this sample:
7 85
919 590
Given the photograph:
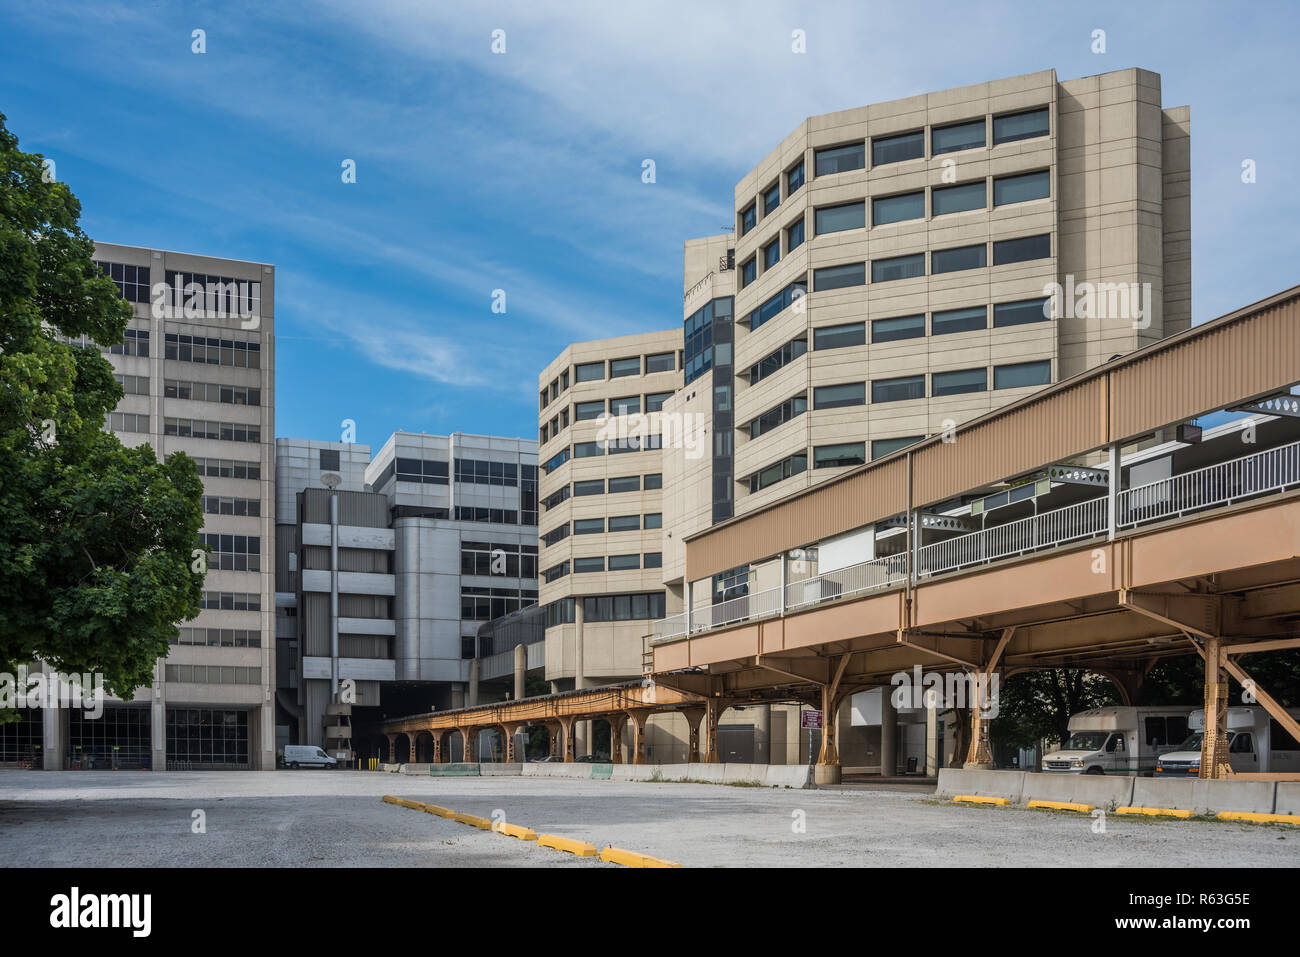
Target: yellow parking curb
581 848
615 855
482 823
515 830
1063 806
978 799
1154 811
439 811
403 802
1257 818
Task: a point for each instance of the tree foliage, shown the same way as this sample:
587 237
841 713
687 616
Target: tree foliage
96 539
1036 705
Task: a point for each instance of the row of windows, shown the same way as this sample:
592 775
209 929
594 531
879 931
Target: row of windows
698 338
559 385
616 523
776 304
778 471
212 392
221 293
495 516
777 360
133 384
618 368
597 408
202 429
912 265
231 600
901 388
556 497
135 342
225 505
771 197
229 468
498 561
853 453
555 461
635 607
126 422
616 563
779 415
475 607
942 322
480 472
617 484
213 675
238 353
238 553
218 637
133 283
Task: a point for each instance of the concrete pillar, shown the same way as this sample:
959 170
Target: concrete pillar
693 717
638 719
1214 742
467 738
888 734
521 669
932 738
617 722
567 724
473 683
392 748
53 726
713 711
762 732
827 770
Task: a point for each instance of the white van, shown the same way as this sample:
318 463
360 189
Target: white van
1256 742
308 756
1121 740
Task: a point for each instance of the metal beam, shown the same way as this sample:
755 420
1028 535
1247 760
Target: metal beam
1198 613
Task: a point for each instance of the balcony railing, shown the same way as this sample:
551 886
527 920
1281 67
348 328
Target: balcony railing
1213 486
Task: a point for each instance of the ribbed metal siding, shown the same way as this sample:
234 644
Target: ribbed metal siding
1024 438
1253 356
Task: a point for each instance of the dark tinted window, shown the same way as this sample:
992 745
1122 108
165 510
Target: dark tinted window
794 235
895 209
834 219
838 337
794 178
840 159
1020 126
903 327
896 390
1021 188
329 460
1022 250
1022 374
959 320
840 277
959 136
624 367
898 267
955 260
1019 313
883 447
837 396
959 382
661 362
957 199
772 198
589 371
894 149
835 456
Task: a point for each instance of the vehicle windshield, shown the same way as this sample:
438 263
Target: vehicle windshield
1194 742
1086 741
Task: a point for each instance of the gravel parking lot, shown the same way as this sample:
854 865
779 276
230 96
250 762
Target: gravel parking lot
336 818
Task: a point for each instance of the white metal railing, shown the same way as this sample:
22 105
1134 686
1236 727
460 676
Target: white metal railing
866 576
1048 530
1214 485
1222 484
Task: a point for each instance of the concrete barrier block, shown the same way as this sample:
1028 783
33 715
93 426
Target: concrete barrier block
457 769
501 769
1211 797
737 773
675 772
1104 791
787 776
1287 798
1004 784
414 768
1163 792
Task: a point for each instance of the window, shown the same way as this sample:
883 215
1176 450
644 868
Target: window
555 461
882 447
895 149
226 505
588 410
559 612
794 236
837 456
625 483
620 563
794 178
588 526
778 415
583 450
959 320
840 159
772 253
128 422
773 306
1022 250
329 460
957 199
897 390
778 471
840 277
624 523
837 396
655 401
624 367
133 384
660 362
132 281
836 219
211 392
629 405
589 487
771 198
898 267
638 607
1022 188
202 429
556 572
748 219
582 565
653 520
240 553
900 327
955 260
959 382
958 136
589 372
1021 374
556 535
895 209
748 271
652 560
225 352
1020 126
777 360
227 468
556 497
839 337
653 481
1019 313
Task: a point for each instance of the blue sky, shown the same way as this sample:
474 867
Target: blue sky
522 171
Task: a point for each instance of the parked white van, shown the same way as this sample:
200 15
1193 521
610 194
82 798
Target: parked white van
1120 740
307 755
1256 742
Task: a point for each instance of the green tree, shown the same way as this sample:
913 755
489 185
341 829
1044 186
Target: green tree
1036 705
96 540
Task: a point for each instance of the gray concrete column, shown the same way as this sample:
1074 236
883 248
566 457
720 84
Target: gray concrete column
521 669
888 734
473 683
762 733
932 739
53 724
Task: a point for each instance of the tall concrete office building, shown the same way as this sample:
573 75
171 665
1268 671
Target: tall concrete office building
899 269
198 369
